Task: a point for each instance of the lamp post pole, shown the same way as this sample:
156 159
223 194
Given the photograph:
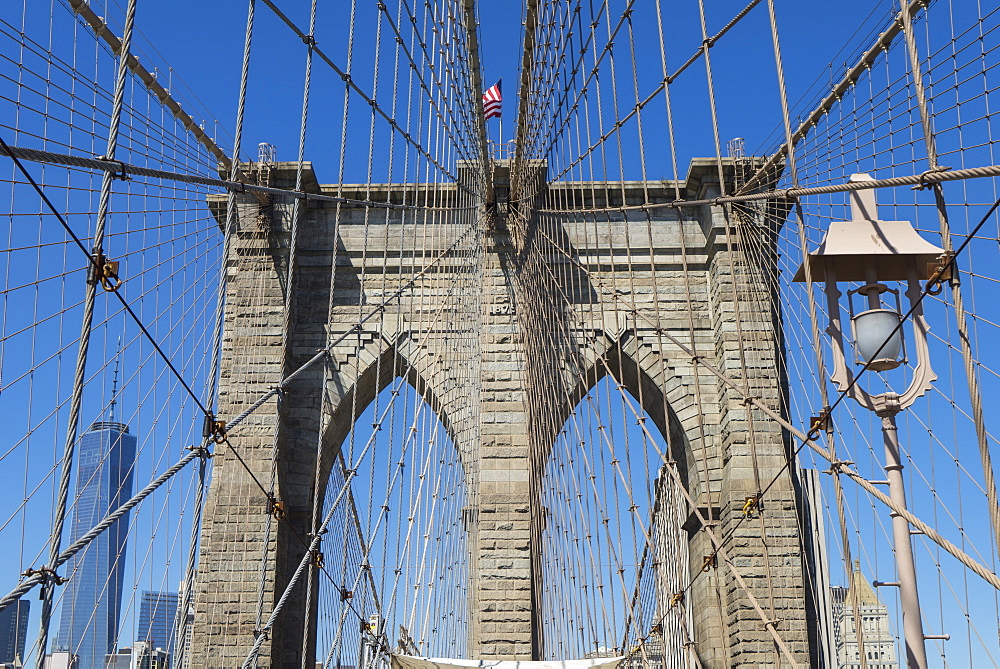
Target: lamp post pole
906 572
871 250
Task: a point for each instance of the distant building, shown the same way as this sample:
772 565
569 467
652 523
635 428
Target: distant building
157 620
879 644
91 607
14 631
60 660
817 564
140 656
122 659
184 646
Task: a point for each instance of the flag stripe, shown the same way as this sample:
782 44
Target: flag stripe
492 100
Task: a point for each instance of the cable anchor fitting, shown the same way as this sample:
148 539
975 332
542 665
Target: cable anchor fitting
103 271
676 598
837 465
202 451
48 575
275 507
214 429
752 505
317 558
823 422
709 562
939 271
122 173
346 594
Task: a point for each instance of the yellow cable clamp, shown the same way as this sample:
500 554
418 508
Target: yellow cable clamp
103 271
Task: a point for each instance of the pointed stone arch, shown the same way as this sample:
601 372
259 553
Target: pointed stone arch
652 383
365 372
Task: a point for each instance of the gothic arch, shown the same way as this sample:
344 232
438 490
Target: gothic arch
375 366
658 389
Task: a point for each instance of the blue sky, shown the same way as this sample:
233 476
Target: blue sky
203 43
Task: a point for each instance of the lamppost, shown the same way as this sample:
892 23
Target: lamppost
865 249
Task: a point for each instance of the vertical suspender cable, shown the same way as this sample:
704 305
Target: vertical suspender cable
231 200
186 599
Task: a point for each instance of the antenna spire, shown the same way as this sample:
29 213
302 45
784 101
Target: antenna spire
114 382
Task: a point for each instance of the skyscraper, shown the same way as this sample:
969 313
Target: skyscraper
157 618
184 645
91 605
879 644
14 630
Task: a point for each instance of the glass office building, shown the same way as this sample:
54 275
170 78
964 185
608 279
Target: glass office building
157 618
14 630
91 603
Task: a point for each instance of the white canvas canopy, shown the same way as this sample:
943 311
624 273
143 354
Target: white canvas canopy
409 662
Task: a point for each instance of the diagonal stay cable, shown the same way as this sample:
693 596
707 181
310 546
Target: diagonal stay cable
94 263
38 576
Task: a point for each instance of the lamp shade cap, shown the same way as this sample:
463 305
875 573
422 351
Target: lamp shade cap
865 248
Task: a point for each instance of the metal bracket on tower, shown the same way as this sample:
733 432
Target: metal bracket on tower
752 505
275 507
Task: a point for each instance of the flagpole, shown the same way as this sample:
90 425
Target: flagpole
500 83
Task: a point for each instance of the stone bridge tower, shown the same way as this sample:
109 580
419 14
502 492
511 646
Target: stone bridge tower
635 268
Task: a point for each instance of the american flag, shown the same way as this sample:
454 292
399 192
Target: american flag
492 100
